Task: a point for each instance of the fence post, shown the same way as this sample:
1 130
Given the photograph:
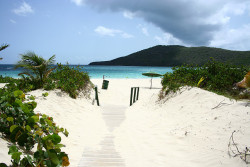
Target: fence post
134 94
96 96
137 93
131 95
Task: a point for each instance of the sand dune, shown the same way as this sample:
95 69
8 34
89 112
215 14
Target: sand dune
191 128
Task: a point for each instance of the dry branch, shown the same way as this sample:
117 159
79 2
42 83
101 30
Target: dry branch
234 151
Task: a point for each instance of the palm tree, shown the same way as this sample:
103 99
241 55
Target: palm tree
2 47
36 67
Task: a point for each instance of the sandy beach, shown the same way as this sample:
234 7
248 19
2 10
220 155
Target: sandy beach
191 128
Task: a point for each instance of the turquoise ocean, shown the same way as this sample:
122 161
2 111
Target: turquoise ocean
99 71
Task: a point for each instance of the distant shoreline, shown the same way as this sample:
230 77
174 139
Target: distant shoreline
97 72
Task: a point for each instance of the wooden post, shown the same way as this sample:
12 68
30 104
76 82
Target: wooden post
151 83
131 95
96 96
137 93
134 94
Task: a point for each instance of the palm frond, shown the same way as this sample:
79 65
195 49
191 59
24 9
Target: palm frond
26 73
48 72
35 66
4 46
51 60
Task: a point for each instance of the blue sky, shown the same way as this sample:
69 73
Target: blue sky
82 31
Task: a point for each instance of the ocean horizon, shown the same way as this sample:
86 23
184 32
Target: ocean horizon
98 71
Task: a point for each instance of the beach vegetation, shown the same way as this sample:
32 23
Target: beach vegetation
72 80
45 94
6 79
35 137
213 76
36 68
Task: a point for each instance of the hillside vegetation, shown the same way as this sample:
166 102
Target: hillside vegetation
175 55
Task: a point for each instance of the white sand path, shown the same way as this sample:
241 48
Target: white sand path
113 107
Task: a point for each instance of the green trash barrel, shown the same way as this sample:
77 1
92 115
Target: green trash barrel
105 84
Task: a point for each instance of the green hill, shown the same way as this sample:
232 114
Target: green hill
173 55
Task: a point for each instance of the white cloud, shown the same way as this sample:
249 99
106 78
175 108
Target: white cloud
111 32
234 39
24 9
128 14
168 39
106 31
125 35
143 29
78 2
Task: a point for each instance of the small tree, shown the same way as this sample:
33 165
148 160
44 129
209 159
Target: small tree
36 67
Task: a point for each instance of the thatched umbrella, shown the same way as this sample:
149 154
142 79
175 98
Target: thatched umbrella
151 74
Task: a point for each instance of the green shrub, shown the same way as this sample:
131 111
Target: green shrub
20 125
6 79
213 76
45 94
70 79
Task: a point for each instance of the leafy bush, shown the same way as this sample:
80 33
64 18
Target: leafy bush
20 125
69 79
213 76
25 83
6 79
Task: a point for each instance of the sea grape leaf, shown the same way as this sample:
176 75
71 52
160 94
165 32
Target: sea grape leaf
25 109
35 118
18 102
13 127
39 132
59 146
42 121
32 97
33 104
49 122
55 138
10 119
15 134
31 121
48 163
16 156
12 149
27 127
26 161
66 133
53 157
38 154
18 93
